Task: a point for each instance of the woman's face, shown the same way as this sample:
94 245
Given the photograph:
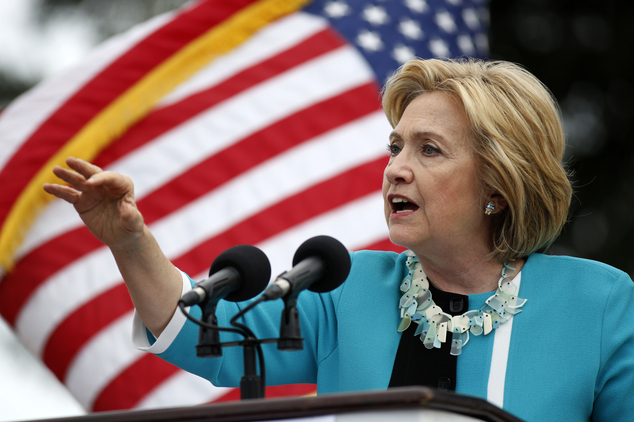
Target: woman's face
432 201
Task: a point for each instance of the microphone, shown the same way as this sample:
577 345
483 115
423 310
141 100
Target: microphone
320 264
237 274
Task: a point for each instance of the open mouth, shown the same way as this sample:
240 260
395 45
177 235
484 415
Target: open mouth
402 205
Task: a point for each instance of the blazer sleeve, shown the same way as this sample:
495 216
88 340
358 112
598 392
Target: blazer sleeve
177 344
614 389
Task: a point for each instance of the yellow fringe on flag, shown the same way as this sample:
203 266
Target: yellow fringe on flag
132 106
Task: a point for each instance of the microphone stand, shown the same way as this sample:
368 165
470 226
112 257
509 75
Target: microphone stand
209 345
252 385
209 338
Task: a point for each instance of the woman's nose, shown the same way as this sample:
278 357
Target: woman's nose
399 169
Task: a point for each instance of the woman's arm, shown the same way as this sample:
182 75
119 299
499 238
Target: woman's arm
105 202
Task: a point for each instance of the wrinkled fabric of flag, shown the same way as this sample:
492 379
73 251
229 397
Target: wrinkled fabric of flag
240 122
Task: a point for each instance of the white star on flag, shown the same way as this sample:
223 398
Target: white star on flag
417 6
439 47
402 53
337 9
376 15
445 21
370 40
411 29
470 17
466 44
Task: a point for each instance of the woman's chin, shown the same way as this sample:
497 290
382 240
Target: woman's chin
404 240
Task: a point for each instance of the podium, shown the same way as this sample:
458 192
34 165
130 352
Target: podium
420 404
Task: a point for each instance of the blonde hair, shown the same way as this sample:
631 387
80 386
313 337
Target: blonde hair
518 142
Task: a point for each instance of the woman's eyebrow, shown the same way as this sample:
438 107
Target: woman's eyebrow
420 134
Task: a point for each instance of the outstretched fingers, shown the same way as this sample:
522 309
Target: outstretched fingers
76 180
86 169
103 199
88 178
66 193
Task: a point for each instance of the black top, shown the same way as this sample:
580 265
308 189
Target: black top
417 365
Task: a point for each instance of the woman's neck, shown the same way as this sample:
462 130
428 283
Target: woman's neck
469 275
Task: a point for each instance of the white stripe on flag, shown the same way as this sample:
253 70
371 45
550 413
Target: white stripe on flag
25 114
182 389
63 293
199 220
343 223
174 152
270 41
356 224
56 219
273 39
242 115
310 163
101 360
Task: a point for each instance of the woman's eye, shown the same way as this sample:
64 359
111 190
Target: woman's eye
393 149
430 150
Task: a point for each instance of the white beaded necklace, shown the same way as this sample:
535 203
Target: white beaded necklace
417 305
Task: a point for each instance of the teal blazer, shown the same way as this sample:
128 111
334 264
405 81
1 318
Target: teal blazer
570 354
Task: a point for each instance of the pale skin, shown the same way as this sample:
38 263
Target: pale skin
105 202
433 167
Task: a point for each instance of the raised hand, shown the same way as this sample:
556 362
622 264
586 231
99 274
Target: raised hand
103 199
105 203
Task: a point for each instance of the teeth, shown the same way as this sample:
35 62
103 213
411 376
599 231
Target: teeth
397 200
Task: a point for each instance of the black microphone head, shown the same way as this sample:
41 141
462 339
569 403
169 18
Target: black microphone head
336 260
253 266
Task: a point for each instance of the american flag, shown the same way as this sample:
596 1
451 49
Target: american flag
243 122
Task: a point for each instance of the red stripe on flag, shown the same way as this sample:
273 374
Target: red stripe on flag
290 390
145 373
104 88
253 150
17 286
80 326
231 395
320 198
71 335
259 147
168 117
35 267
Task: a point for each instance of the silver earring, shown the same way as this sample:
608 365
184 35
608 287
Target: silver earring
489 208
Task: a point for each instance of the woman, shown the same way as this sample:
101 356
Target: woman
474 188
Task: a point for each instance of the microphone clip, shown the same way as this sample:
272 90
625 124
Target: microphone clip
290 331
209 345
